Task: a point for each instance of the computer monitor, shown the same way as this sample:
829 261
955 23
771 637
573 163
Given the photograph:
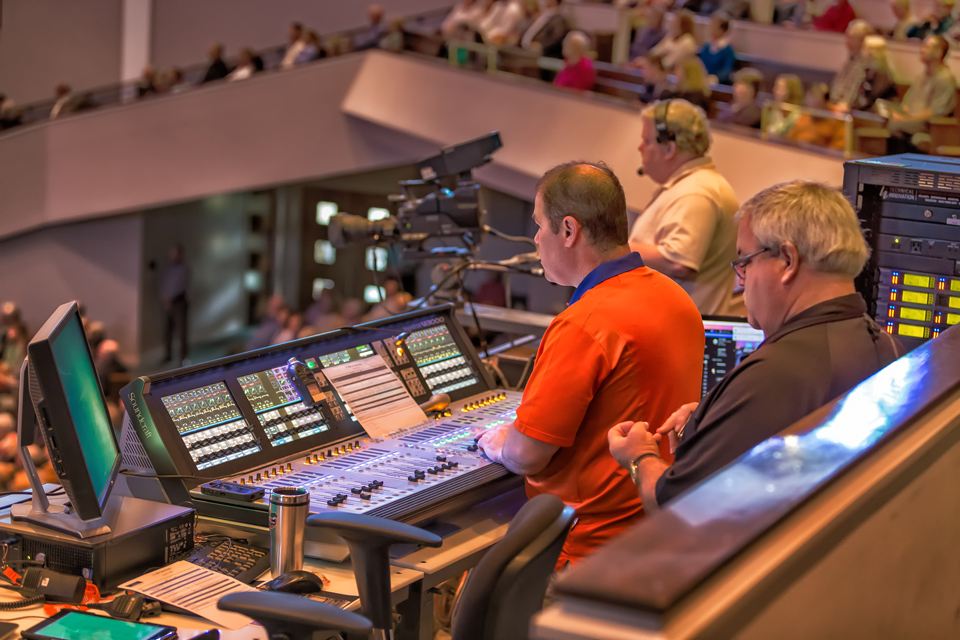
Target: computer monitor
728 340
62 392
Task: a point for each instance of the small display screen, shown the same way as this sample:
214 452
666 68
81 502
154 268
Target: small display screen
955 285
916 297
201 407
914 314
953 303
953 318
912 331
279 408
210 425
347 355
84 626
726 344
442 364
914 280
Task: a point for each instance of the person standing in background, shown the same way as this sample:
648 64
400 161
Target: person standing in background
174 282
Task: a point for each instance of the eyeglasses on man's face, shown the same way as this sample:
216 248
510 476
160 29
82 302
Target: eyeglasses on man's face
740 264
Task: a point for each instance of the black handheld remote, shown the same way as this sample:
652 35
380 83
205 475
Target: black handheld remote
232 490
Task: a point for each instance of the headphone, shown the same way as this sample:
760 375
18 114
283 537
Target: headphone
661 123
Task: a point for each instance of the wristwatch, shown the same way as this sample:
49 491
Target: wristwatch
635 466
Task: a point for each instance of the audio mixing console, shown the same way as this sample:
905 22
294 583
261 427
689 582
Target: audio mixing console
408 475
250 420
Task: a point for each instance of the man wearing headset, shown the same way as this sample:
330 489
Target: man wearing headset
687 231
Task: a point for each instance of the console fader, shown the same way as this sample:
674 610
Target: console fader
243 420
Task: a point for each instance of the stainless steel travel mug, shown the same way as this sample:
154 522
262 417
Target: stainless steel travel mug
288 520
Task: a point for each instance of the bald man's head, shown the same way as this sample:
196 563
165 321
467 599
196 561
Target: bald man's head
592 195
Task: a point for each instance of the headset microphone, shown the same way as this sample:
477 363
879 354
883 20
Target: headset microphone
640 171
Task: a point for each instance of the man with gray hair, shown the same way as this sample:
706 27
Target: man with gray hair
846 84
800 248
687 231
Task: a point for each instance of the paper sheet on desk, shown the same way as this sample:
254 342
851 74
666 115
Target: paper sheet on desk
193 588
375 395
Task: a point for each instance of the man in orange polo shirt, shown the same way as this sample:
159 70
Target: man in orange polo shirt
629 344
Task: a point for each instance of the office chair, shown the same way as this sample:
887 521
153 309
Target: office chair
289 617
504 590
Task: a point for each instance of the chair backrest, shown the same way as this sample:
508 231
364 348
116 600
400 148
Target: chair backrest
507 586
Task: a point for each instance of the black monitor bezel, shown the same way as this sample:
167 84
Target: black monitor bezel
53 413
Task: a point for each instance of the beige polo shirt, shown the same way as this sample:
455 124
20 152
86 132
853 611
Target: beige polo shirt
690 220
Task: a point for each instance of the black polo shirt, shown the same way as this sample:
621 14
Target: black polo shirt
816 356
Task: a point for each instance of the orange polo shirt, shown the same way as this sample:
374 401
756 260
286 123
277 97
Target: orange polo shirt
630 347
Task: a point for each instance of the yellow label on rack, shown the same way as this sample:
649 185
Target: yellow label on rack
916 297
912 331
913 280
953 318
955 285
915 314
953 303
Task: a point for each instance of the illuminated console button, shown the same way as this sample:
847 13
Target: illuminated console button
307 461
289 466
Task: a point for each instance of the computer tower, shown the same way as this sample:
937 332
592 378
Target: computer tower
909 208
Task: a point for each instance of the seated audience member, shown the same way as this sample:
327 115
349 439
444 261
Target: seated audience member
846 84
245 66
736 9
352 312
292 324
108 363
933 95
814 129
148 82
296 44
369 37
800 248
577 72
701 7
655 82
394 302
650 34
270 324
937 23
878 81
323 315
680 43
744 110
905 19
174 82
598 359
311 48
717 55
393 40
217 70
10 116
687 231
836 18
13 348
787 89
63 104
463 19
500 21
545 35
692 84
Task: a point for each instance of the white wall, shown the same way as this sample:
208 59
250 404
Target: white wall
96 262
184 29
45 42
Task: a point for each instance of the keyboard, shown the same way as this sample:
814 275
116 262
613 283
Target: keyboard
244 562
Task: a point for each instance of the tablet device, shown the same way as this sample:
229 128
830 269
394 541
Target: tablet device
76 625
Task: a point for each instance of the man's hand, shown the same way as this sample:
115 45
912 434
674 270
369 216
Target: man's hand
630 440
492 442
675 422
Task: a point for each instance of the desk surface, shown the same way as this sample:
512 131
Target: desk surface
341 582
